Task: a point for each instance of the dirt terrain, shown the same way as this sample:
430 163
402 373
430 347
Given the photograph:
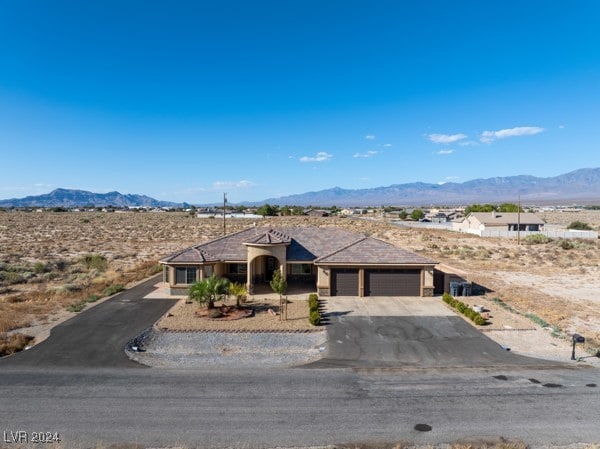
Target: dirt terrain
45 263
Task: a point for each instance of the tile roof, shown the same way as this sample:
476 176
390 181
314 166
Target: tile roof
304 244
501 218
369 251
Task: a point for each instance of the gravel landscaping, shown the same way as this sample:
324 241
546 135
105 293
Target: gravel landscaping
228 349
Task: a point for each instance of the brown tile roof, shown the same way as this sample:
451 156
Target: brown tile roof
305 244
270 237
370 251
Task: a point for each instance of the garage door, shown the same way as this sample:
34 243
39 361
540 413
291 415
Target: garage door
344 282
392 282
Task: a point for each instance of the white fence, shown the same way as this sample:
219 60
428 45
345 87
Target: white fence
551 234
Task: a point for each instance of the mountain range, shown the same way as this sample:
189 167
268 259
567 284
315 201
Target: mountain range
581 185
79 198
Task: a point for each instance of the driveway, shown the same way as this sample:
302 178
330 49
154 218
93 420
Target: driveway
96 337
408 332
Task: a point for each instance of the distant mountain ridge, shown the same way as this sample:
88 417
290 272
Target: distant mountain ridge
579 185
78 198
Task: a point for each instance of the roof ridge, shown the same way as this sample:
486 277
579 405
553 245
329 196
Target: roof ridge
364 237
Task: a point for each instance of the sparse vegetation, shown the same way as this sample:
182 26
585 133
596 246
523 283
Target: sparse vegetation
537 239
9 344
113 289
579 226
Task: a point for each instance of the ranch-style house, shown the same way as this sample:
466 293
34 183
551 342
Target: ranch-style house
331 261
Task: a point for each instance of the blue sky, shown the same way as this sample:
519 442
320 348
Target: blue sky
183 101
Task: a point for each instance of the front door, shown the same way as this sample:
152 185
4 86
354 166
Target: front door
271 266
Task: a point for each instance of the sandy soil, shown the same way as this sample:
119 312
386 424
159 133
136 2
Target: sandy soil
551 282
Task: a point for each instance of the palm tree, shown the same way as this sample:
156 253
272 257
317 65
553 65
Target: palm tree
238 290
208 291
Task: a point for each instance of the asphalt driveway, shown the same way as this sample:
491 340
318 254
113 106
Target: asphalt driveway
96 337
408 332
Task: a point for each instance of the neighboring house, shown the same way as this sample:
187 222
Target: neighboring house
498 223
332 261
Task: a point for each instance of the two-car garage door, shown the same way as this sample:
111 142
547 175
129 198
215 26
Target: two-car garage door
377 282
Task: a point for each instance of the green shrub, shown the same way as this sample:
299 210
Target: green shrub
479 320
112 289
461 307
39 267
76 307
566 244
447 298
314 318
95 262
92 298
537 239
313 302
579 226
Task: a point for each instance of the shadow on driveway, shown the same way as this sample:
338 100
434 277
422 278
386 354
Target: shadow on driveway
97 337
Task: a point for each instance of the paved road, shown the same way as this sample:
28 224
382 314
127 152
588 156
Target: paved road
96 337
283 408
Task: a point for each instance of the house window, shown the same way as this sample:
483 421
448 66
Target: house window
208 271
301 269
165 274
185 275
238 268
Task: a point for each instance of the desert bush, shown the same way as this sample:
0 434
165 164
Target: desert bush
9 344
113 289
579 226
95 262
566 244
536 239
40 267
11 278
92 298
76 306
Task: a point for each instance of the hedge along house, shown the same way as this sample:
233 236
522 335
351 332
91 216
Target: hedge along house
332 261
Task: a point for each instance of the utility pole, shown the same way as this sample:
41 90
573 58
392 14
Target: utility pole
224 207
519 221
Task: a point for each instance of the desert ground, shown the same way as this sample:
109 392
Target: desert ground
51 261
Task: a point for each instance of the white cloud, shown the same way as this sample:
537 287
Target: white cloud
370 137
468 143
386 145
243 184
445 152
367 154
321 156
446 138
490 136
561 126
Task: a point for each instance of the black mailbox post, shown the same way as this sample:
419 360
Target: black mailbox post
576 339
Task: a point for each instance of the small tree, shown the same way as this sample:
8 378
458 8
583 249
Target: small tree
208 291
417 214
279 285
238 290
